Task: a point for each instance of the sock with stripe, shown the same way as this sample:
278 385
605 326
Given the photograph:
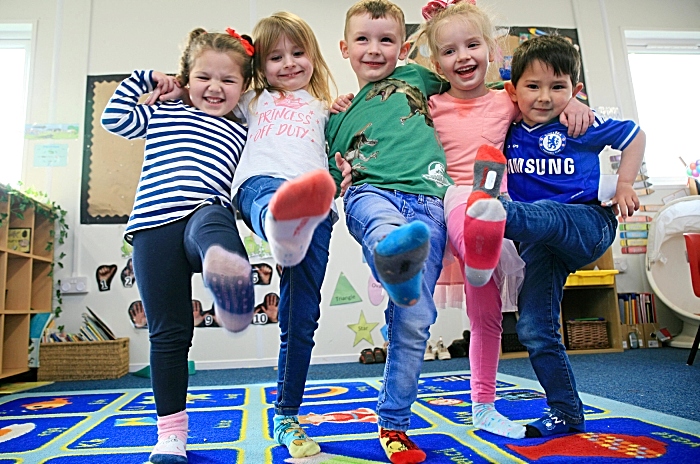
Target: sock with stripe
172 439
485 417
399 259
485 219
294 212
229 277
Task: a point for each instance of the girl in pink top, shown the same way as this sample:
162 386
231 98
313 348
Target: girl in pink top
461 39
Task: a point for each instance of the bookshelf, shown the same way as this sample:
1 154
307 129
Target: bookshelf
26 286
591 297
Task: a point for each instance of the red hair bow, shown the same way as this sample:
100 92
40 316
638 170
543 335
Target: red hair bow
435 6
246 45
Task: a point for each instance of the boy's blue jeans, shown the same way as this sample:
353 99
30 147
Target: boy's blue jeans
555 240
371 214
300 293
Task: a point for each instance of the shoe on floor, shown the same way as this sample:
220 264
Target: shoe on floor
379 355
430 353
442 352
551 424
367 356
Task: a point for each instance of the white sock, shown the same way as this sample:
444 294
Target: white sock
485 417
290 239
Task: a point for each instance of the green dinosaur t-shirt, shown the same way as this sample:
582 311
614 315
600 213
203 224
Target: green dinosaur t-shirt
388 136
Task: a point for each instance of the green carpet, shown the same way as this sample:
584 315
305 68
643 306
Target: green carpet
233 425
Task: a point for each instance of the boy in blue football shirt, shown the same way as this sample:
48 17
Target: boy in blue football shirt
558 217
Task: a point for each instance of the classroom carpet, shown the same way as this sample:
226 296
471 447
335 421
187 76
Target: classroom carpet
234 425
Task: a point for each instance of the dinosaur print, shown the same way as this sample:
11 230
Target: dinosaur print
416 100
354 155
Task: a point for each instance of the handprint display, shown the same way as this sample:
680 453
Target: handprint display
104 275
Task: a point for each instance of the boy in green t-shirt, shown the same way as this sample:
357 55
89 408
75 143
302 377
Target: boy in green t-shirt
394 206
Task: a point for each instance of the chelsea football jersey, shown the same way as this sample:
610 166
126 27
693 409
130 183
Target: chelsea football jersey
544 163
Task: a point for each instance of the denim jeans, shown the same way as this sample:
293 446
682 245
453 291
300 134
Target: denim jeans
555 240
371 214
300 293
164 259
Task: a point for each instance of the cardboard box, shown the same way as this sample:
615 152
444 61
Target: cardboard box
19 239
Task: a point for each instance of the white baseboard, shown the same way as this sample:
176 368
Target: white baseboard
249 363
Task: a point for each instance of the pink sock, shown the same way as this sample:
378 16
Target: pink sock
172 434
485 221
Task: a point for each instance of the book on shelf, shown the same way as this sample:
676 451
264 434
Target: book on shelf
93 329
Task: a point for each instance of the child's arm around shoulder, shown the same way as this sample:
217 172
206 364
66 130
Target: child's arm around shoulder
626 201
123 114
577 117
166 88
434 83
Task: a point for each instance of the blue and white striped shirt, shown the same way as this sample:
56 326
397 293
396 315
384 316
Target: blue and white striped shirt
190 156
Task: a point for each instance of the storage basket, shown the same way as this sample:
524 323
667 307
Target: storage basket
511 344
83 360
584 335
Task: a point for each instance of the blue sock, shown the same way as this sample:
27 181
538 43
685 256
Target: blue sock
552 424
399 259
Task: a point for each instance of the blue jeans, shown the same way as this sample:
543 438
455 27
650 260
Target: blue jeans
300 293
555 240
164 259
371 214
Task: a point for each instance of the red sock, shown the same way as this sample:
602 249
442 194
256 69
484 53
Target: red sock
485 219
399 448
308 195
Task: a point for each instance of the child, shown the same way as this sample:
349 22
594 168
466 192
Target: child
394 206
182 221
461 39
284 193
557 216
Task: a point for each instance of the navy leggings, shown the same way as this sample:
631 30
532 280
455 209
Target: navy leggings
164 260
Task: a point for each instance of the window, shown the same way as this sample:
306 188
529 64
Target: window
663 66
15 41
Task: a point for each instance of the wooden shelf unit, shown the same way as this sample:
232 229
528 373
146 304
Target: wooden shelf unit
589 301
26 286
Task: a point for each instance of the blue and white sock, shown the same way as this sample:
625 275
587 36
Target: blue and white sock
399 259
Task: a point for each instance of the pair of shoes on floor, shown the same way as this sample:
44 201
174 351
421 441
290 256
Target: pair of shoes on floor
439 351
371 356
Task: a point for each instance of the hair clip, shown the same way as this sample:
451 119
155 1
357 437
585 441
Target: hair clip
246 45
435 6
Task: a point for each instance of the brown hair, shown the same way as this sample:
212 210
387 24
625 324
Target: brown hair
200 41
551 50
376 9
284 24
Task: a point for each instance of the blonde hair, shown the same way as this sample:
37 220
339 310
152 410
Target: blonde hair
376 9
467 13
284 24
200 41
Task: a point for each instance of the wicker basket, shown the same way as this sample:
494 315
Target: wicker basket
585 335
83 360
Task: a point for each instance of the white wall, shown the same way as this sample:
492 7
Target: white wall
77 38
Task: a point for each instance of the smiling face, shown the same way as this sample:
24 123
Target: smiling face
288 66
540 94
215 83
463 58
373 47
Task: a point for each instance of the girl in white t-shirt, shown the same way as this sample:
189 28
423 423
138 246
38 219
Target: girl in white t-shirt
285 194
